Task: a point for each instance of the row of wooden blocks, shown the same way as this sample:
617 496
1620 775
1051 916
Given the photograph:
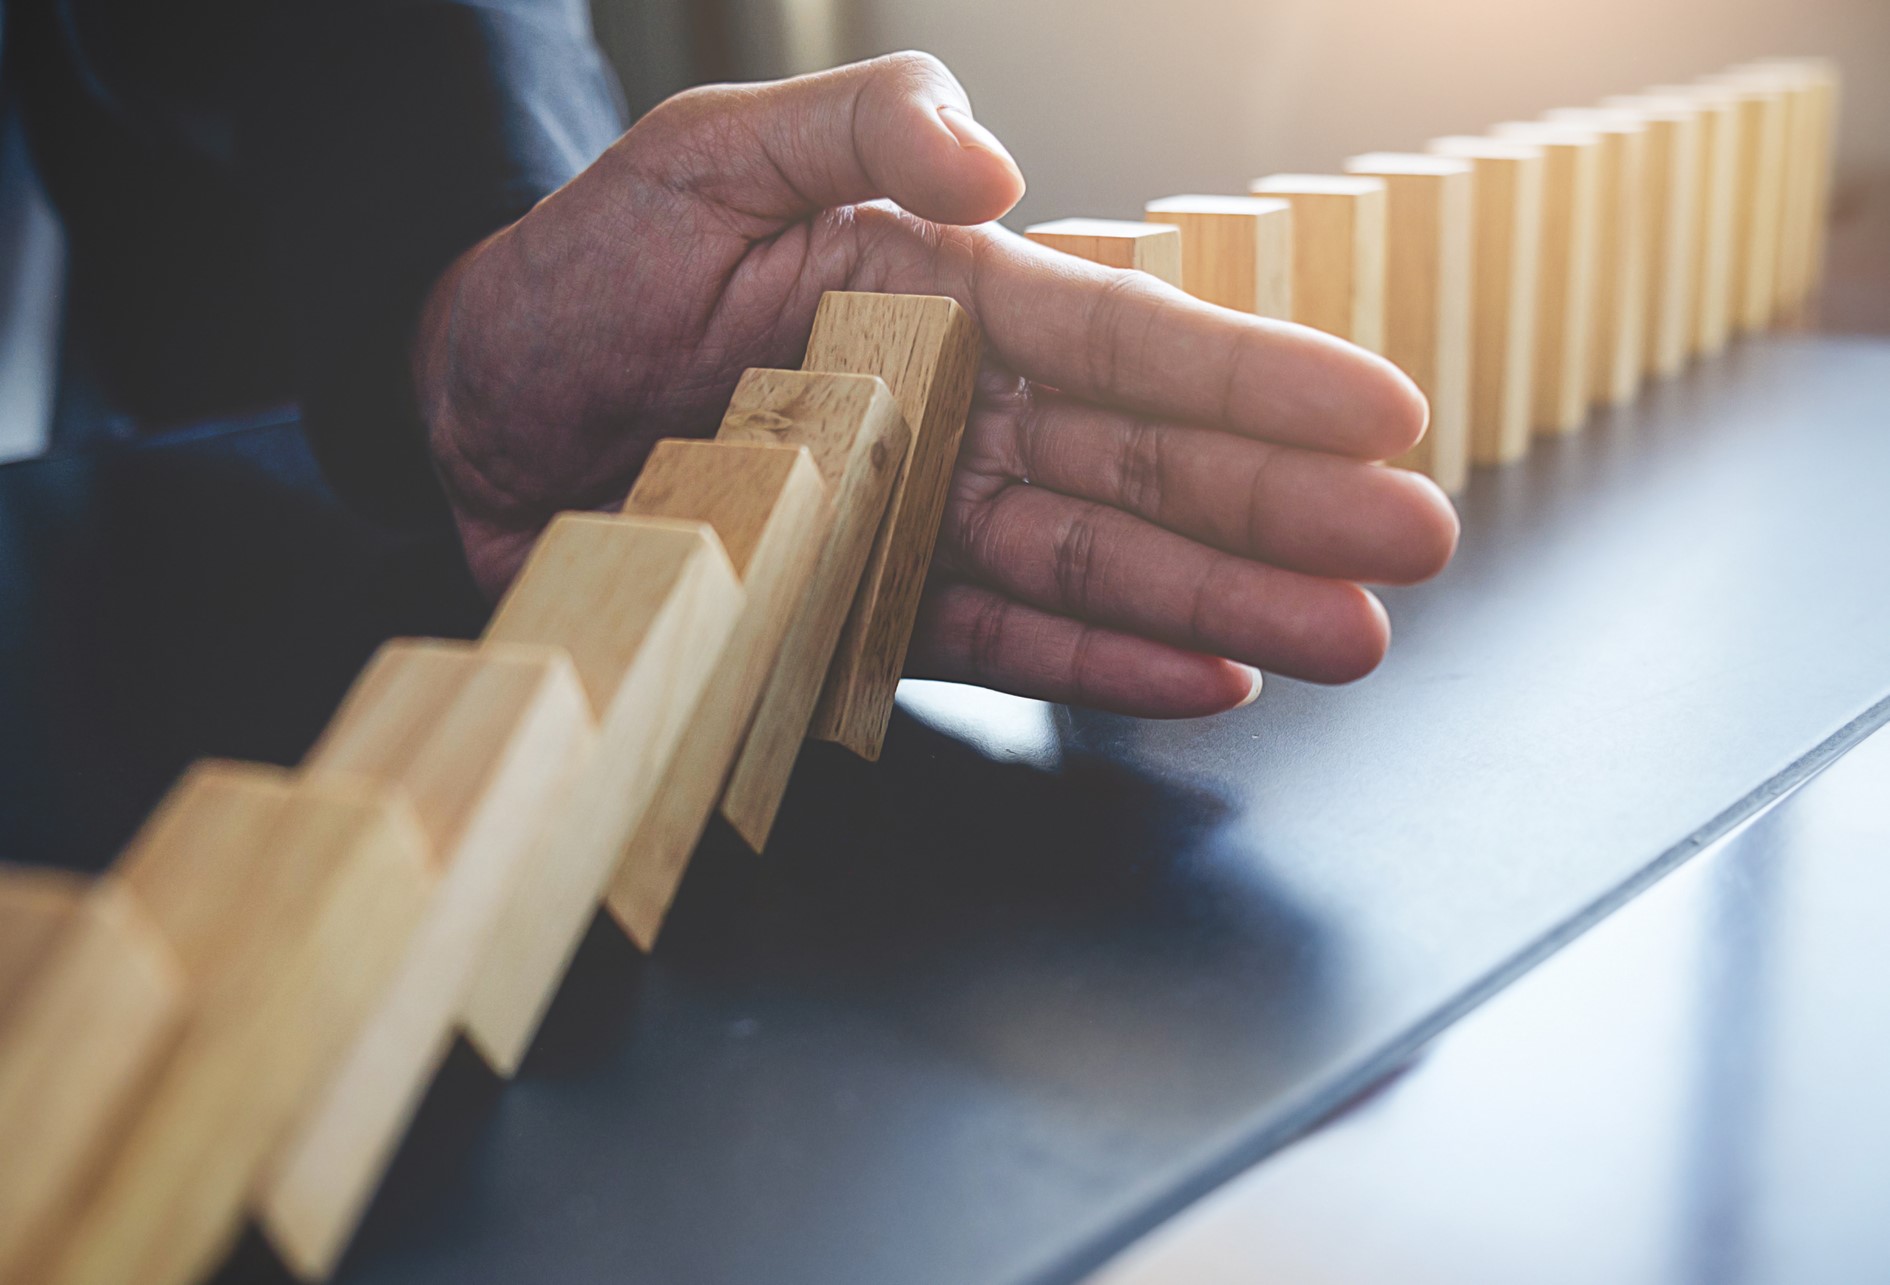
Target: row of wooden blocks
237 1021
1523 276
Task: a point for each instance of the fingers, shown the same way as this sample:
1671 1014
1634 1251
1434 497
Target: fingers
971 634
1098 564
1319 514
897 127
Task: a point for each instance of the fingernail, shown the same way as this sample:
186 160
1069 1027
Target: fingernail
1253 693
970 134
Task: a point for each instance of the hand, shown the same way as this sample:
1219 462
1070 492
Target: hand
1153 495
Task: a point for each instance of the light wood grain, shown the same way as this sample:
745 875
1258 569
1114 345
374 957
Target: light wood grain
90 999
1509 180
1154 248
1236 251
768 504
1428 212
1809 86
1338 252
858 438
484 743
1716 175
926 349
645 608
1759 204
288 906
1620 303
1565 295
1672 192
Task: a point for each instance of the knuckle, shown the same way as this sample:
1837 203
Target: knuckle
1073 562
1138 480
984 636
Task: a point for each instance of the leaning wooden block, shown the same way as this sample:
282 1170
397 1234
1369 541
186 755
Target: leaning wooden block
1571 212
1338 252
1620 304
1154 248
1673 159
90 998
857 437
1428 209
1716 179
484 743
288 905
767 502
1759 204
1236 251
1509 179
926 349
644 607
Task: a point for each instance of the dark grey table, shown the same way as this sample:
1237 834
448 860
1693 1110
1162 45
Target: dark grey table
994 1006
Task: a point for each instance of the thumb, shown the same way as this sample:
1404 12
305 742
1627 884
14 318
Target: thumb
897 127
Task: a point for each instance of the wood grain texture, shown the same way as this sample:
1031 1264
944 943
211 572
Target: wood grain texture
926 349
1620 303
769 505
1758 206
1716 177
1236 251
1809 86
288 905
1154 248
1565 295
90 1000
858 439
1673 160
484 744
644 607
1338 252
1509 180
1428 213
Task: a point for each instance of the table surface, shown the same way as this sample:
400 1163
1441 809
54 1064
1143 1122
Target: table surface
990 1009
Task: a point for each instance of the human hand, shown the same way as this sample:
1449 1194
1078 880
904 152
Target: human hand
1153 493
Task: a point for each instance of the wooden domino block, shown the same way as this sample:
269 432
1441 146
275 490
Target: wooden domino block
1808 86
645 608
1571 216
1428 215
857 437
1236 251
1338 252
484 743
288 905
1509 179
90 999
768 504
926 349
1154 248
1620 304
1716 176
1673 161
1759 203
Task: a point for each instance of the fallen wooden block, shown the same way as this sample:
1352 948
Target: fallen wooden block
1716 177
1428 215
644 607
288 905
1236 251
1620 308
926 349
1154 248
484 743
1759 204
858 438
90 999
1338 252
1509 178
1571 214
1673 158
768 504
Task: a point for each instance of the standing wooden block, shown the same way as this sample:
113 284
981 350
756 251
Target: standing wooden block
1759 203
1673 161
1154 248
1236 251
1565 295
858 437
645 608
484 743
90 999
1716 176
1808 86
1620 306
1338 252
288 906
1429 204
926 349
768 504
1823 131
1509 179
